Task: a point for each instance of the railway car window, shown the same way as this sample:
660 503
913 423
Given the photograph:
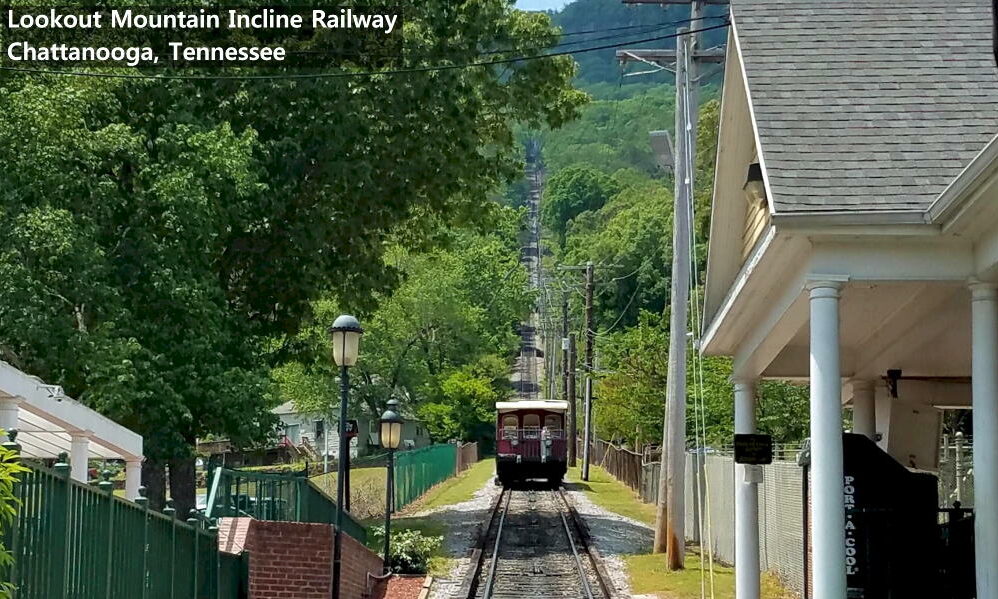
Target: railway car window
552 422
509 426
531 426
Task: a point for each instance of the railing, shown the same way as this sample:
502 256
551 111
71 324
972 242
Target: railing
274 497
622 464
71 540
419 469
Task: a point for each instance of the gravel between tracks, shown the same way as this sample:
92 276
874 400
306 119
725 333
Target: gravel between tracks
614 536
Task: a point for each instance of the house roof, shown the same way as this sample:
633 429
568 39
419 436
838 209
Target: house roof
867 106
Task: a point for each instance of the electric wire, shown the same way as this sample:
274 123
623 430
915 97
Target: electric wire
643 30
623 313
352 74
623 27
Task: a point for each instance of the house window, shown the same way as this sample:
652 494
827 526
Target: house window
320 429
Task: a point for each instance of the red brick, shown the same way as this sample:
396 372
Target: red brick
290 560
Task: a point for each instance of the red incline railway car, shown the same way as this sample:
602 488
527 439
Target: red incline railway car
531 441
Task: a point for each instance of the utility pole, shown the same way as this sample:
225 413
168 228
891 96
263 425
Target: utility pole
573 417
669 533
590 331
590 340
670 516
564 380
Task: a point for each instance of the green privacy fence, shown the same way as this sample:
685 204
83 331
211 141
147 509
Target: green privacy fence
70 540
417 470
276 497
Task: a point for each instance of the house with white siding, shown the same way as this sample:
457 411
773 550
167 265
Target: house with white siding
309 429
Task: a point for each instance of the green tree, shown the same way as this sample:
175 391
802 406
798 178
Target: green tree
571 192
162 233
463 407
629 233
444 337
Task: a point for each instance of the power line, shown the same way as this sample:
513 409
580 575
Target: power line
644 29
662 24
352 74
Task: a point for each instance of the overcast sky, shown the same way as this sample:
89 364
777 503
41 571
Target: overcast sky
540 4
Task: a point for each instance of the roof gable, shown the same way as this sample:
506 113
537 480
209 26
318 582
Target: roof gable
867 106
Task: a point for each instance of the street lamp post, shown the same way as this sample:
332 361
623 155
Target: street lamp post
345 334
390 437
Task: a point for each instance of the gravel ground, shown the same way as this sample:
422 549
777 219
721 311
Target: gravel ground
614 536
462 520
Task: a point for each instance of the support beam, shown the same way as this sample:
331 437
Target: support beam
864 409
133 478
667 57
9 412
984 321
747 570
827 505
79 455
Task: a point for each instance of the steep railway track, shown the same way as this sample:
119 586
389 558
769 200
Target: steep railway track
534 548
527 372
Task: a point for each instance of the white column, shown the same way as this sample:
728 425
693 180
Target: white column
133 478
864 409
984 370
8 413
79 453
828 498
747 574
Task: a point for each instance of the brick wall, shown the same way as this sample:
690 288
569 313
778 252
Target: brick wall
292 560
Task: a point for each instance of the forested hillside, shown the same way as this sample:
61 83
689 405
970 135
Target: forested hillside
612 22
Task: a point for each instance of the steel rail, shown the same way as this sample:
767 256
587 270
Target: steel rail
575 552
494 563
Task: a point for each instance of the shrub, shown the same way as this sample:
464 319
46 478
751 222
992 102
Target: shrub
10 467
411 550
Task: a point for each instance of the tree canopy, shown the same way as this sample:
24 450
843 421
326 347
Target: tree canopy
165 237
571 192
441 342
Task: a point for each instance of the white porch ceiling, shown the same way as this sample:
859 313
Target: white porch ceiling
922 328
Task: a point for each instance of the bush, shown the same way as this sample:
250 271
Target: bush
10 467
411 550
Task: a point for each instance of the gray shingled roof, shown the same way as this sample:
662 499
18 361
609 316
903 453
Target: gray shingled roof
868 104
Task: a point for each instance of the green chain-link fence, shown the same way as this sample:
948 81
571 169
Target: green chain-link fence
419 469
70 540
